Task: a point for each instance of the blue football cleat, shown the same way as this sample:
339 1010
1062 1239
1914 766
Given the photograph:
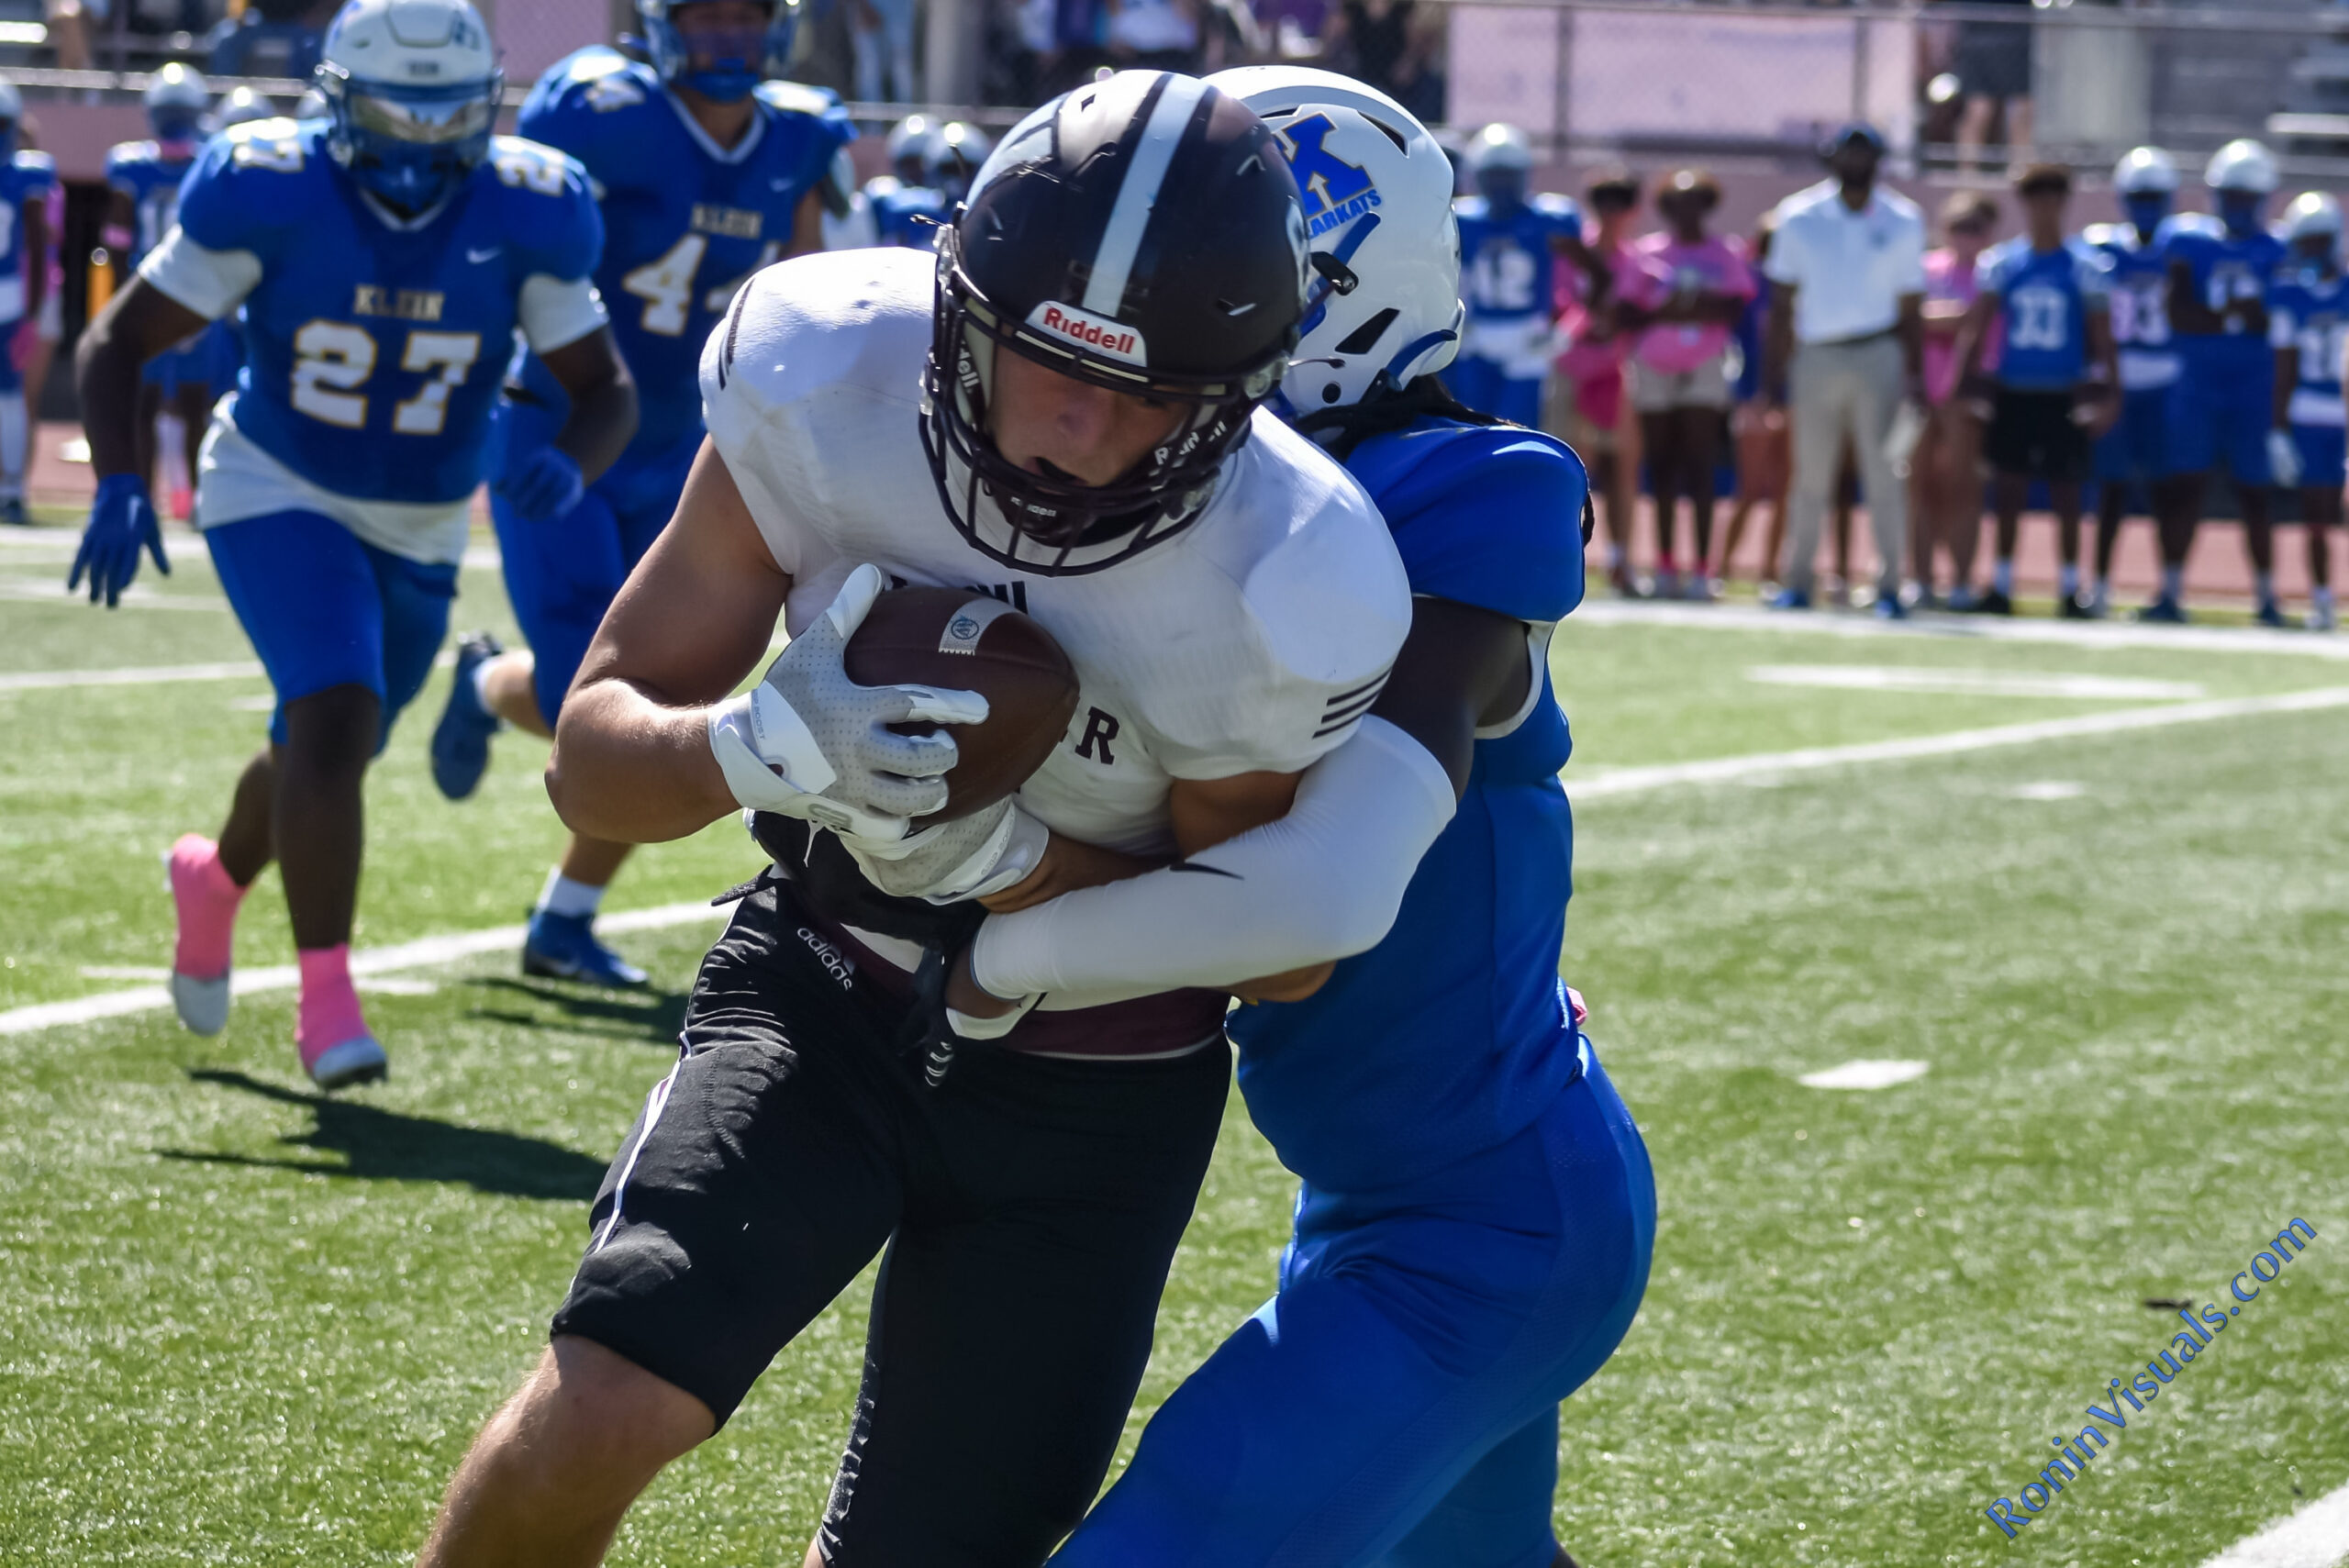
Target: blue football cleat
563 947
2165 611
1791 599
460 740
1889 606
12 513
2271 614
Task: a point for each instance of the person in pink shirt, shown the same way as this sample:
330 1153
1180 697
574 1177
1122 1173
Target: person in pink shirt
1585 407
1686 292
1946 473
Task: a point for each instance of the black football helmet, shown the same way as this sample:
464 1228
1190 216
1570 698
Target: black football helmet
1142 233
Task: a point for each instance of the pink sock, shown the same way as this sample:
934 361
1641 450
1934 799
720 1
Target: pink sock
206 901
328 1012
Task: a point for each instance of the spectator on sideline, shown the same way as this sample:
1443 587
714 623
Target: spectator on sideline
1757 423
2135 452
1846 332
1395 46
272 37
1945 475
2307 323
2053 393
1993 67
885 52
1690 288
1154 35
1586 406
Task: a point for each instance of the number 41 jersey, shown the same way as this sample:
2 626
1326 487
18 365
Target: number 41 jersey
375 350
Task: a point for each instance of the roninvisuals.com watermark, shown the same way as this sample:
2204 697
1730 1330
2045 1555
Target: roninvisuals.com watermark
2073 1453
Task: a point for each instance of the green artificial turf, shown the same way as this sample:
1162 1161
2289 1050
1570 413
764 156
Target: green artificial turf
240 1323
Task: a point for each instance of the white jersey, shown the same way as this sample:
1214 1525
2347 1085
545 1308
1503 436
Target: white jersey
1253 641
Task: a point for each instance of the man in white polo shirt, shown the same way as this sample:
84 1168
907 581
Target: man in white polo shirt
1847 270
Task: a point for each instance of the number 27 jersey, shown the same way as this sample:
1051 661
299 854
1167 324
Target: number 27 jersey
373 353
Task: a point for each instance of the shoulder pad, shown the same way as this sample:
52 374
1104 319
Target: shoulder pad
796 98
35 161
2106 236
275 147
593 81
1554 204
533 166
1468 206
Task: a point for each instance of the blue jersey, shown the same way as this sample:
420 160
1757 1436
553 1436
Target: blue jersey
1453 1034
139 170
2310 312
1507 270
2046 297
2137 275
374 353
2226 270
685 221
26 176
909 214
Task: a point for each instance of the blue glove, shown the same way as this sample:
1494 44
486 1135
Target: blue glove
122 523
547 486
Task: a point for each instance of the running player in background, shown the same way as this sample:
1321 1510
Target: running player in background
144 177
2222 404
906 209
26 180
2133 453
1472 1230
908 146
1689 289
2052 393
1946 474
704 173
1587 407
384 258
1510 236
2308 324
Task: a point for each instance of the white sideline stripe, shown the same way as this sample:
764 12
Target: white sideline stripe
1866 1073
53 591
417 954
1963 628
150 675
1971 683
2315 1537
1763 764
1622 781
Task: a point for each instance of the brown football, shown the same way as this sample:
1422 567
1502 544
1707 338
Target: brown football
958 637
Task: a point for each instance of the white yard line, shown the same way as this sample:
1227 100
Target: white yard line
1598 785
53 590
418 954
1964 629
2315 1537
1867 1073
150 675
430 951
1926 679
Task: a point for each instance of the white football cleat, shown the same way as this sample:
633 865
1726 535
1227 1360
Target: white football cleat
202 1005
357 1059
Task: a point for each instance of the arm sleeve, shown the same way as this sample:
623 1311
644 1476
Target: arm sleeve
555 311
210 283
1323 882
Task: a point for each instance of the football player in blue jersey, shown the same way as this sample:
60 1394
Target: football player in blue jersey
2132 455
1473 1233
706 172
2051 395
2307 323
26 179
144 179
2219 406
1509 242
384 258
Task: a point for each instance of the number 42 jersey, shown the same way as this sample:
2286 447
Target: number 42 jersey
375 347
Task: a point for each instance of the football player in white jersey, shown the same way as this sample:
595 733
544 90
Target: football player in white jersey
1059 411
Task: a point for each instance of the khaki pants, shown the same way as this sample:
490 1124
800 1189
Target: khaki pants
1839 392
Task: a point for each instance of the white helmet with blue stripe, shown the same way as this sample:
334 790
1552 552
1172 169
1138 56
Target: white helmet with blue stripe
1383 302
242 106
726 64
412 89
2145 171
175 100
2313 213
2243 165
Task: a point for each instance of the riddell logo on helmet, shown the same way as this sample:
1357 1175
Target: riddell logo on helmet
1110 339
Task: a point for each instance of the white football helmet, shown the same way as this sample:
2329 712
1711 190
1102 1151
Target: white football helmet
412 90
1383 305
1500 147
241 106
2311 213
2145 171
2243 164
909 147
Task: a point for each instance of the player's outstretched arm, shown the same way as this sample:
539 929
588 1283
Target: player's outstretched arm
603 401
137 324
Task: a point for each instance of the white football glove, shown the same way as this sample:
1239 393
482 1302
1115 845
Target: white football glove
809 742
982 853
2284 459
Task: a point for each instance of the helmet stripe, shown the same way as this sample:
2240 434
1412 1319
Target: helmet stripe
1113 259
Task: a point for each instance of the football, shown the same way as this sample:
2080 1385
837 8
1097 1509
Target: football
958 637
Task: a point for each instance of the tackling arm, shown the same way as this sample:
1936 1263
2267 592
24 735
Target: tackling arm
603 401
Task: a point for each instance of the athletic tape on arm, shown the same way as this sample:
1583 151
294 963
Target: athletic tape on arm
1322 883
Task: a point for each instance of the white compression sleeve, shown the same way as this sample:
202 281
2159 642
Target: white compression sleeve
1322 883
